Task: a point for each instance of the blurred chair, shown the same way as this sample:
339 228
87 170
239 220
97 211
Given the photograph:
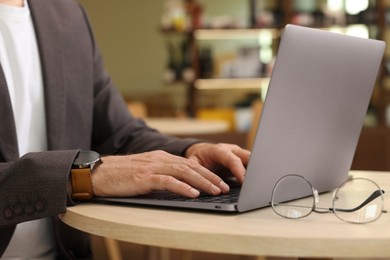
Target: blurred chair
137 109
257 107
113 249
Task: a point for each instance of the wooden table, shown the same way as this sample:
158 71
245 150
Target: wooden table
260 232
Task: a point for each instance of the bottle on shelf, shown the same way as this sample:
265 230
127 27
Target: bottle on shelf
194 11
172 68
187 71
206 65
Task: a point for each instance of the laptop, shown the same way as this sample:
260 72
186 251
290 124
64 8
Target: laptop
313 113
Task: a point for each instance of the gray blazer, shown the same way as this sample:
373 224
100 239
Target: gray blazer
83 111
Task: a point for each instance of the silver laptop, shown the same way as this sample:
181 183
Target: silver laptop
312 117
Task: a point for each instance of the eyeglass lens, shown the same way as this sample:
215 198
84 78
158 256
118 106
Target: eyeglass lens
286 196
358 201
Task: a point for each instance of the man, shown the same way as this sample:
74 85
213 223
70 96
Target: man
55 100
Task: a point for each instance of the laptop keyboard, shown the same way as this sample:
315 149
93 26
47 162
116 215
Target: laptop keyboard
228 198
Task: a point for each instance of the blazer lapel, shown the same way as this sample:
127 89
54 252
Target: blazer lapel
8 140
51 55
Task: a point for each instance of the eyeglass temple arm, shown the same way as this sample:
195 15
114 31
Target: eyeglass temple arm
373 196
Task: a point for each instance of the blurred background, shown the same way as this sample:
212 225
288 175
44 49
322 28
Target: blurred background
211 60
179 62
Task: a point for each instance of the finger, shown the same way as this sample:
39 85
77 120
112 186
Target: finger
243 154
189 171
235 160
165 182
180 168
197 176
208 177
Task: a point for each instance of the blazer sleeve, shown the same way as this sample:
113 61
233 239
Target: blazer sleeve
41 192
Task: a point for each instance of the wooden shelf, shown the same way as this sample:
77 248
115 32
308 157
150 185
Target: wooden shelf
239 34
236 83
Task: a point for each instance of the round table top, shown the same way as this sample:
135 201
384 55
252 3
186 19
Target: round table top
259 232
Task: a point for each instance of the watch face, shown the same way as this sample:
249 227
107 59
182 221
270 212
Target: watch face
86 158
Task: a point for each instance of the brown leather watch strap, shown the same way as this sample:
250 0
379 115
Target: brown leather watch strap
82 184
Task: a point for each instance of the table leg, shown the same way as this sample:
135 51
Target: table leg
305 258
113 250
157 253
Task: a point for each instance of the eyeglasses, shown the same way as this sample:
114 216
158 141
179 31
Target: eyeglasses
357 200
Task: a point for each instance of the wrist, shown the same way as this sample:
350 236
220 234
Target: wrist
192 148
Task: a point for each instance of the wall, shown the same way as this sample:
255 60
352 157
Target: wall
133 49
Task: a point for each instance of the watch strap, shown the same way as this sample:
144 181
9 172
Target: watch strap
81 184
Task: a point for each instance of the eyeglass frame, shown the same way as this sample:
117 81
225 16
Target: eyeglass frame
315 195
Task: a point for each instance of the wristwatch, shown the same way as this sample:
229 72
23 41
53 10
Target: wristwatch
80 174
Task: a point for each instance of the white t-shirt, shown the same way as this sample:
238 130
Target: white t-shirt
19 58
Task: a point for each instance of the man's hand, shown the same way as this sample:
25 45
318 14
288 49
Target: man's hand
220 158
142 173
